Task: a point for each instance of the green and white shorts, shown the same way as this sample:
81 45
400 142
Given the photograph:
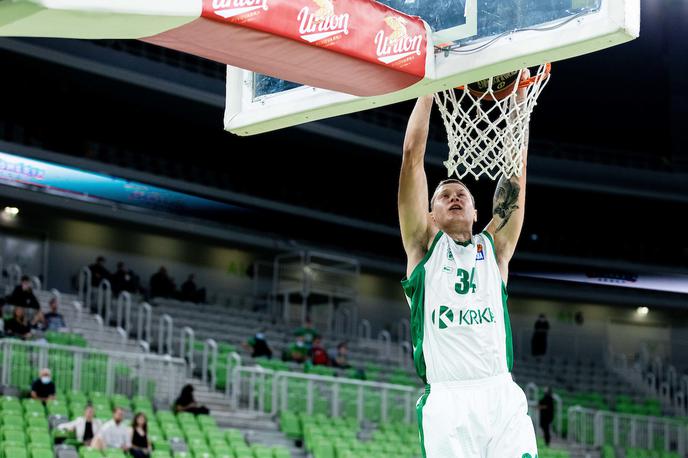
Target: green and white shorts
484 418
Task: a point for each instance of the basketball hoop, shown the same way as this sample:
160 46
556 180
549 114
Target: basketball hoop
487 126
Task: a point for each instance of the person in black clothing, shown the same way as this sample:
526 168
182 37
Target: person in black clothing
53 320
161 284
546 407
258 346
192 293
43 388
18 326
539 342
140 443
98 271
124 280
186 402
23 296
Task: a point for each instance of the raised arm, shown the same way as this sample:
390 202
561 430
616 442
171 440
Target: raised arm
508 209
414 217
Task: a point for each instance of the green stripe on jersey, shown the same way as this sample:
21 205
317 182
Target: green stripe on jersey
414 288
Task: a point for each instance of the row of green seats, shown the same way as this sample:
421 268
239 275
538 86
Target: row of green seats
642 453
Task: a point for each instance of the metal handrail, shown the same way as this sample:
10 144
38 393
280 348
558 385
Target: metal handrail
146 367
85 288
165 330
79 310
14 274
124 311
36 283
364 330
143 324
386 339
104 300
209 352
186 349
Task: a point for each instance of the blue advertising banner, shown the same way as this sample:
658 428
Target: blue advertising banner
79 184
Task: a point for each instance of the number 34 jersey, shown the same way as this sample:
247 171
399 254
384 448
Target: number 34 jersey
460 326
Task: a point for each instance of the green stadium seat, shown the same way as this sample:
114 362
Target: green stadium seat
42 453
14 451
280 452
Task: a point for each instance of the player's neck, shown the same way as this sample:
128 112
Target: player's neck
459 235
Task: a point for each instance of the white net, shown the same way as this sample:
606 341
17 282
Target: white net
487 135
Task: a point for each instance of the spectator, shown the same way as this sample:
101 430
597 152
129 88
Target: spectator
307 331
318 353
258 346
43 388
85 428
190 292
124 280
140 442
338 357
23 296
297 351
114 433
18 326
539 341
161 285
53 321
98 271
546 407
186 402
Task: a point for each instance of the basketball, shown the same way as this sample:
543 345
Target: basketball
502 86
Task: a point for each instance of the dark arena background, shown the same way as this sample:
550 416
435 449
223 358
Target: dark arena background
175 252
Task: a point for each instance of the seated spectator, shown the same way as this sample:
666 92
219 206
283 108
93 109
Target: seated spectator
114 433
124 280
53 321
140 442
318 353
98 271
43 388
19 326
190 292
296 351
307 331
186 402
161 284
85 427
258 346
23 296
338 356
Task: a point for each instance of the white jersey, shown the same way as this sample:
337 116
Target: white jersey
459 320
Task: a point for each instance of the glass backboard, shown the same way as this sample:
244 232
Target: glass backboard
474 39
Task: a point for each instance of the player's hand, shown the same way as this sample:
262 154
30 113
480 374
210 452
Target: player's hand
521 92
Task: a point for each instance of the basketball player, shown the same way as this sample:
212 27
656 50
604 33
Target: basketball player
456 286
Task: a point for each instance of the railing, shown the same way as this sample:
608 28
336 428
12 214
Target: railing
209 366
364 331
85 287
104 301
385 339
124 311
74 368
165 330
597 428
36 283
186 348
78 310
257 389
14 274
143 323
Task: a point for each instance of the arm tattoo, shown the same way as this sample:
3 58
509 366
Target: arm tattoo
505 200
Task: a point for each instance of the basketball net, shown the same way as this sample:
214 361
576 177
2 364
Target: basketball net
486 135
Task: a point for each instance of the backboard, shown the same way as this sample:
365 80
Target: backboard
474 39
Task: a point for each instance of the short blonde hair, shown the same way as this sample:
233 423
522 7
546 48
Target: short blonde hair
445 182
